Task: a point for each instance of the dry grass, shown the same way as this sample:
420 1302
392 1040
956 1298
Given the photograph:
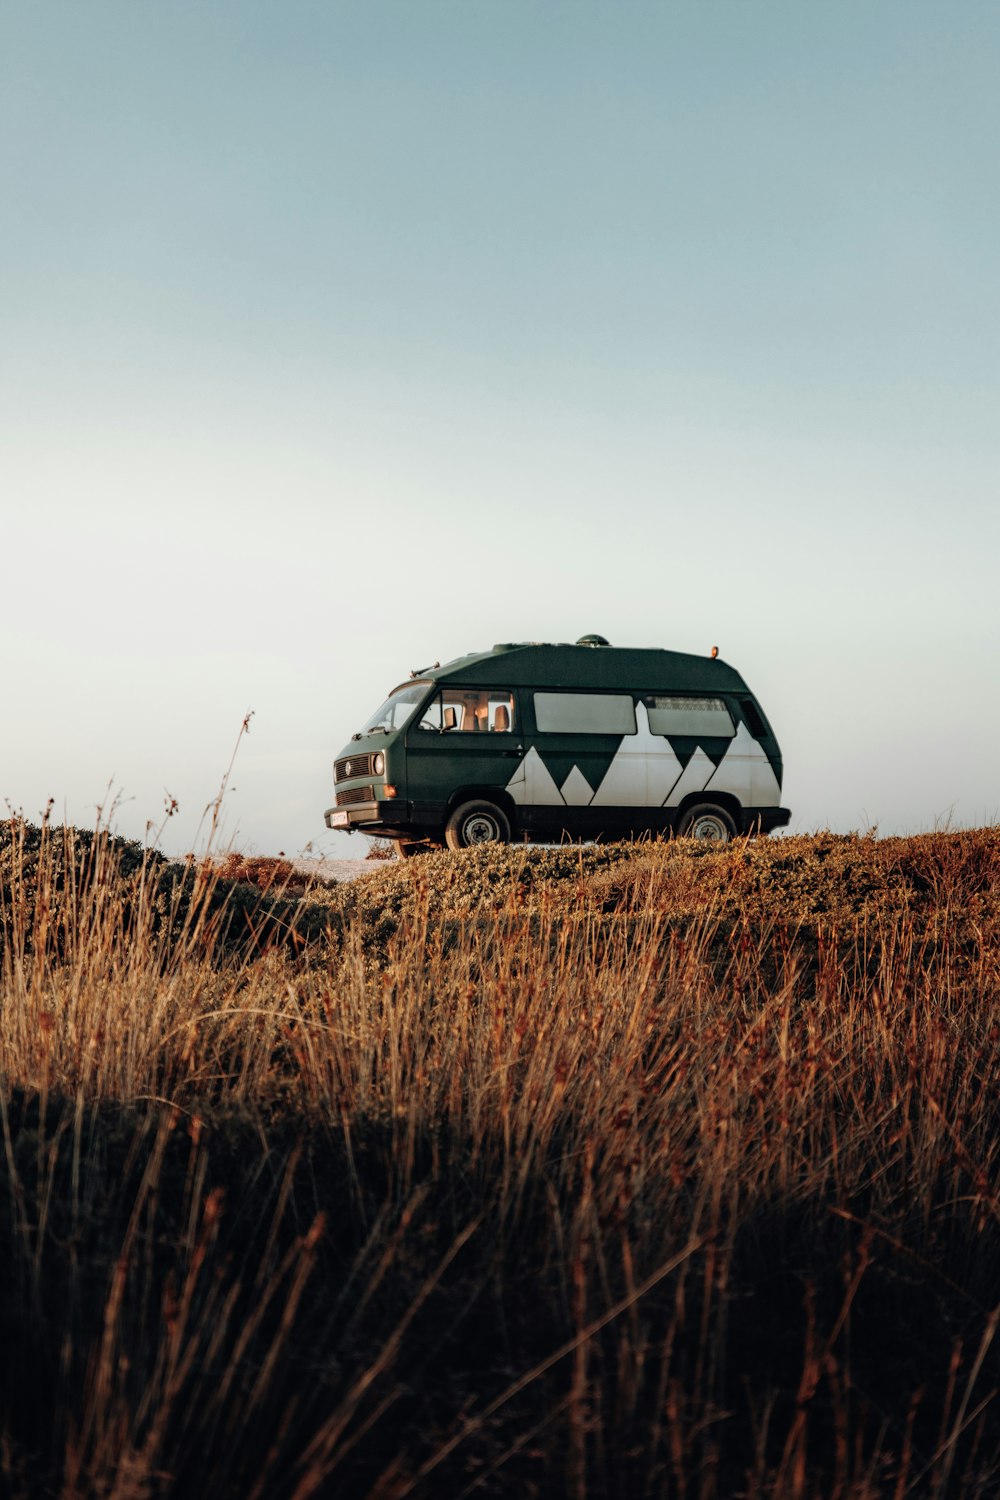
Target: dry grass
263 872
609 1172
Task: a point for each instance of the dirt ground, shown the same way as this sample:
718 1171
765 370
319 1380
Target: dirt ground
338 869
318 869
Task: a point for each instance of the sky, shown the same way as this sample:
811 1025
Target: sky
340 338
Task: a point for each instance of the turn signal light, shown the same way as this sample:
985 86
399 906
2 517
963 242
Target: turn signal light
390 791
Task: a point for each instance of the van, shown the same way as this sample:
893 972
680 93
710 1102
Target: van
539 743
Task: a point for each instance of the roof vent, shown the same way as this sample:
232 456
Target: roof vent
592 640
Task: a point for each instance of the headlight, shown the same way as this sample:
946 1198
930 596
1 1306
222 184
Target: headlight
378 764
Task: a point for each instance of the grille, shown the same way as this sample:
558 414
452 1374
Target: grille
356 794
361 765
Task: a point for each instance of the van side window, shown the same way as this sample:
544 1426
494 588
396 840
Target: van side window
470 711
703 717
584 713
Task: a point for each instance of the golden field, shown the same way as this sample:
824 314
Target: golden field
617 1171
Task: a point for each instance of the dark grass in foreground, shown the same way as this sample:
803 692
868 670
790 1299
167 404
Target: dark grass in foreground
626 1171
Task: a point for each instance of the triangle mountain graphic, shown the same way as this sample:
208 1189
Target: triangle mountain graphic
645 772
532 784
576 789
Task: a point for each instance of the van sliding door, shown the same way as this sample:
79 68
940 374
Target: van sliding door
577 737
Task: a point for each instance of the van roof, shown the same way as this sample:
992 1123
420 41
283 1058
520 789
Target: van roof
539 664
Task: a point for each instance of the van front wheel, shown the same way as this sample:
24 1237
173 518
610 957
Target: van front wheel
708 822
476 823
405 850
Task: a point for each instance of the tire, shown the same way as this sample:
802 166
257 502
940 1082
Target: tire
476 823
708 822
406 850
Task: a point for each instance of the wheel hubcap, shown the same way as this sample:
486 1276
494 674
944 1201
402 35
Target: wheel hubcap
712 830
480 829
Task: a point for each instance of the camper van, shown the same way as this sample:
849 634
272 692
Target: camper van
540 743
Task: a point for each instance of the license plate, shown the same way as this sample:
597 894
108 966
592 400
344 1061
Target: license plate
338 820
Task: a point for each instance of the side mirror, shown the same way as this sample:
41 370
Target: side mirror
450 719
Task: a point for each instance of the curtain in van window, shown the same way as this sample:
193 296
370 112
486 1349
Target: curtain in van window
704 717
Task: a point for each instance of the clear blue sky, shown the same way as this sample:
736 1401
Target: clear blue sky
338 338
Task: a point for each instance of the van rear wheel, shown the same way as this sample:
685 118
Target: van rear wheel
476 823
708 822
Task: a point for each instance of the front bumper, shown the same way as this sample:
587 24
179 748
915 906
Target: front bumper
385 817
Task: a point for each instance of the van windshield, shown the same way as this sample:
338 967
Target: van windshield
397 709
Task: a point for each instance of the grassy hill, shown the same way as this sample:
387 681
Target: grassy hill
630 1170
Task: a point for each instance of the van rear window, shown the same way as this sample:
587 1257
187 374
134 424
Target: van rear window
703 717
584 713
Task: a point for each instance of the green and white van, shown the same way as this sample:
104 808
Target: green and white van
540 742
